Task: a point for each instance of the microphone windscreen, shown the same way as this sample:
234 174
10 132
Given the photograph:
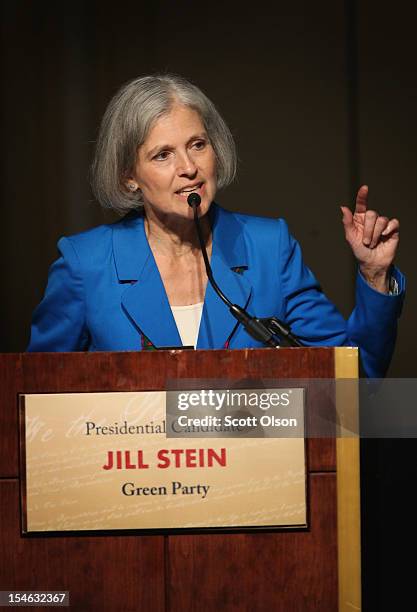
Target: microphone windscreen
194 199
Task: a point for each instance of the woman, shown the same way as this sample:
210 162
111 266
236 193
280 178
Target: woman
141 283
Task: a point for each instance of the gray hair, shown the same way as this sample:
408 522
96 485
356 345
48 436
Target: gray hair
126 124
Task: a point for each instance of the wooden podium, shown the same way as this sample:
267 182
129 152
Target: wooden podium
312 569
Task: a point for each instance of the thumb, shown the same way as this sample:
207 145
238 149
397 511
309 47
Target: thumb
347 220
347 217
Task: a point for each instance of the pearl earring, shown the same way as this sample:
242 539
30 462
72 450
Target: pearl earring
132 187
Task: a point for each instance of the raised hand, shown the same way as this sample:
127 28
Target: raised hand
373 240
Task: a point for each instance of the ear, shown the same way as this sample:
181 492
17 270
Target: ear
131 185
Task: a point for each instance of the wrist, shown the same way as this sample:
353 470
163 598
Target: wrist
378 279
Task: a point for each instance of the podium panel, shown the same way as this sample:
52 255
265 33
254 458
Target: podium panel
308 568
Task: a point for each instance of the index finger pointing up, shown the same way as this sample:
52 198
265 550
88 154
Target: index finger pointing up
361 204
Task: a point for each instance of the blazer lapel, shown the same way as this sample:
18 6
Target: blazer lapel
144 300
228 254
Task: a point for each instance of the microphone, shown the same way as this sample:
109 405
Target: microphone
194 199
262 330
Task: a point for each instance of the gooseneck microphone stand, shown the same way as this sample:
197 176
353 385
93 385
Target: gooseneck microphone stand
269 330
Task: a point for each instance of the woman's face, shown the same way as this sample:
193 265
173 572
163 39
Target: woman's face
175 160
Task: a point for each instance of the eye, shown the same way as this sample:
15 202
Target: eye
199 145
161 156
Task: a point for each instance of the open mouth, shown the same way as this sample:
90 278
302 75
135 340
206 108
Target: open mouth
190 189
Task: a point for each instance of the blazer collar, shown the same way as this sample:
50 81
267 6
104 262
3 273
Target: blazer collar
130 247
145 300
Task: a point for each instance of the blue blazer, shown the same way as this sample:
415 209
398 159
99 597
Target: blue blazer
105 293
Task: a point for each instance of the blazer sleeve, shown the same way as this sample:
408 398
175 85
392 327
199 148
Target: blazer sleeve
59 322
372 326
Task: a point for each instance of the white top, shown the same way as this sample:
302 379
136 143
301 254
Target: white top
187 319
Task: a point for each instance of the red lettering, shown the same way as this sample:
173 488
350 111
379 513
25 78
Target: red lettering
177 452
141 463
129 466
190 458
109 465
212 455
163 458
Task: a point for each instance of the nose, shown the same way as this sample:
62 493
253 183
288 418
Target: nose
186 165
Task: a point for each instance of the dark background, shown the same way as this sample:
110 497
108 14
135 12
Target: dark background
320 96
